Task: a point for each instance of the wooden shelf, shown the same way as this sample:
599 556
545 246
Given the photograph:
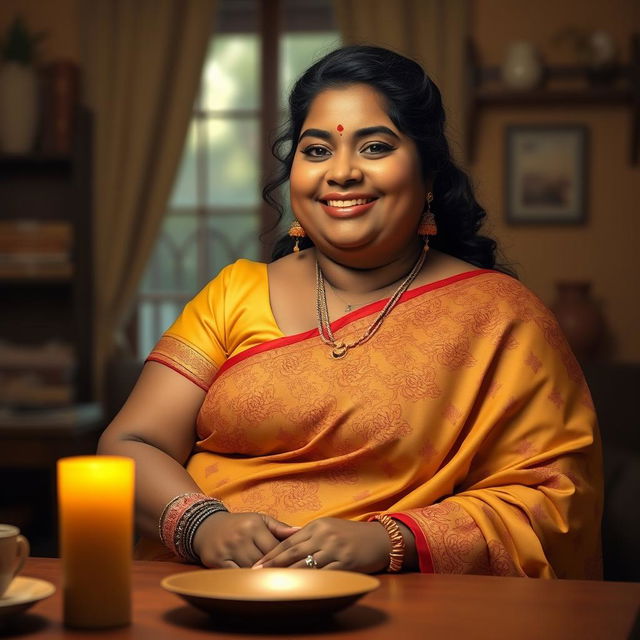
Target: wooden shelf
563 86
497 97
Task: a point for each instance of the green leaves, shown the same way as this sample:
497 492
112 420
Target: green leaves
19 44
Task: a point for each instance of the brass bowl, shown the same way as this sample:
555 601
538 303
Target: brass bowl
270 592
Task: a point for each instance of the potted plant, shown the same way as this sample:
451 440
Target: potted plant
18 88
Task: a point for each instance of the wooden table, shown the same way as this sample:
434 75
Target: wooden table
404 607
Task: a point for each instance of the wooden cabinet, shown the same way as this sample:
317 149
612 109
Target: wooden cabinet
46 329
563 86
52 302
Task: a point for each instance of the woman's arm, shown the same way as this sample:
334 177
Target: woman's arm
156 427
410 551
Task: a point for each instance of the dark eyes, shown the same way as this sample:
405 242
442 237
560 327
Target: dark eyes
377 148
372 149
315 152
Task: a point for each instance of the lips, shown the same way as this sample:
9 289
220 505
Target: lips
346 212
347 205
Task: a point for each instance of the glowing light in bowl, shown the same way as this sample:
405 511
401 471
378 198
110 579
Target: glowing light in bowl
281 581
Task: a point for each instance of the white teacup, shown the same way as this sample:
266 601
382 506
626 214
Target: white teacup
14 550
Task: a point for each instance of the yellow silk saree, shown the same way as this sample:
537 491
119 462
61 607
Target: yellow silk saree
466 417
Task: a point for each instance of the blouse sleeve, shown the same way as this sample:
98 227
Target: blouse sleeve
530 503
195 344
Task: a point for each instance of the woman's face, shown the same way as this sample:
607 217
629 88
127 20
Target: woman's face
356 182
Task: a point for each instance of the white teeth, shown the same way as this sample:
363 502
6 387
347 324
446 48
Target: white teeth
348 203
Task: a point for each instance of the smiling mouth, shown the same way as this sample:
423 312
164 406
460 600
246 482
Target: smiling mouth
343 204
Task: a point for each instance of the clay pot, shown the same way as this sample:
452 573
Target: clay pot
18 107
522 68
601 68
580 318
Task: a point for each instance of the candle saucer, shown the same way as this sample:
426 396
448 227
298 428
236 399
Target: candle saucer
270 592
23 593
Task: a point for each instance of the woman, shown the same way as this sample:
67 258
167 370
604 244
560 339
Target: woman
363 402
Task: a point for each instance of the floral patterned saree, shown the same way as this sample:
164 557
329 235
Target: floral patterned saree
466 417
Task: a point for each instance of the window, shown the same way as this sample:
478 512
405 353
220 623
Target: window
215 214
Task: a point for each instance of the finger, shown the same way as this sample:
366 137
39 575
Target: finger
292 556
302 564
282 547
279 529
322 559
248 555
265 541
267 557
335 565
228 564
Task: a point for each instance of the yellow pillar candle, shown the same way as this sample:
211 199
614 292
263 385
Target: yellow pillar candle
95 501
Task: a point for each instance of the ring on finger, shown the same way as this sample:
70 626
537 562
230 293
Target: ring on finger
310 561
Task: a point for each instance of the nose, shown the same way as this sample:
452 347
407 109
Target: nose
343 169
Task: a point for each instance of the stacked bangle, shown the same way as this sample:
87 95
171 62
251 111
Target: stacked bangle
180 520
396 556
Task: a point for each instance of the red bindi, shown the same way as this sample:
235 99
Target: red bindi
340 129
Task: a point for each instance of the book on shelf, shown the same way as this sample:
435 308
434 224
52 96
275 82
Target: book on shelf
35 249
34 257
35 236
36 376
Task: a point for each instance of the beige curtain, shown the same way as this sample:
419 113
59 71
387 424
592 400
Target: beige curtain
433 32
142 62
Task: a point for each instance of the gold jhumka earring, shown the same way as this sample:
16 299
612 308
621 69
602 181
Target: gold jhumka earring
427 225
296 231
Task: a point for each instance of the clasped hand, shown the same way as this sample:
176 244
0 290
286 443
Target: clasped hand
258 540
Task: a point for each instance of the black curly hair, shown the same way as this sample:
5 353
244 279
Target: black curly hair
415 106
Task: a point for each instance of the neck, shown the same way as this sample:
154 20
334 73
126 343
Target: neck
350 280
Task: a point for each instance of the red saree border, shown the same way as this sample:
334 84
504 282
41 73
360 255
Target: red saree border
285 341
422 545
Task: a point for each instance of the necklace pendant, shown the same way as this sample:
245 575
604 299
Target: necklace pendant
339 350
348 308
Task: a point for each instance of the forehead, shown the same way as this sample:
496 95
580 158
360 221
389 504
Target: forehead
351 106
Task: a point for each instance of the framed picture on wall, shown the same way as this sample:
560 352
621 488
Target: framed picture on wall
545 174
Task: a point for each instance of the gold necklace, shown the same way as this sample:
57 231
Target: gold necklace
348 307
339 348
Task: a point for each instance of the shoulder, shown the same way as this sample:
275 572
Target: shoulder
236 280
509 297
241 271
484 288
510 293
495 283
243 268
527 325
519 312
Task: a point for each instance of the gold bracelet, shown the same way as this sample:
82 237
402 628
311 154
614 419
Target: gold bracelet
396 556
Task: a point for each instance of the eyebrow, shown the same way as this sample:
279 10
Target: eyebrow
359 133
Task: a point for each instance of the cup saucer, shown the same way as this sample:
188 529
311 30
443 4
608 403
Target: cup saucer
23 593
